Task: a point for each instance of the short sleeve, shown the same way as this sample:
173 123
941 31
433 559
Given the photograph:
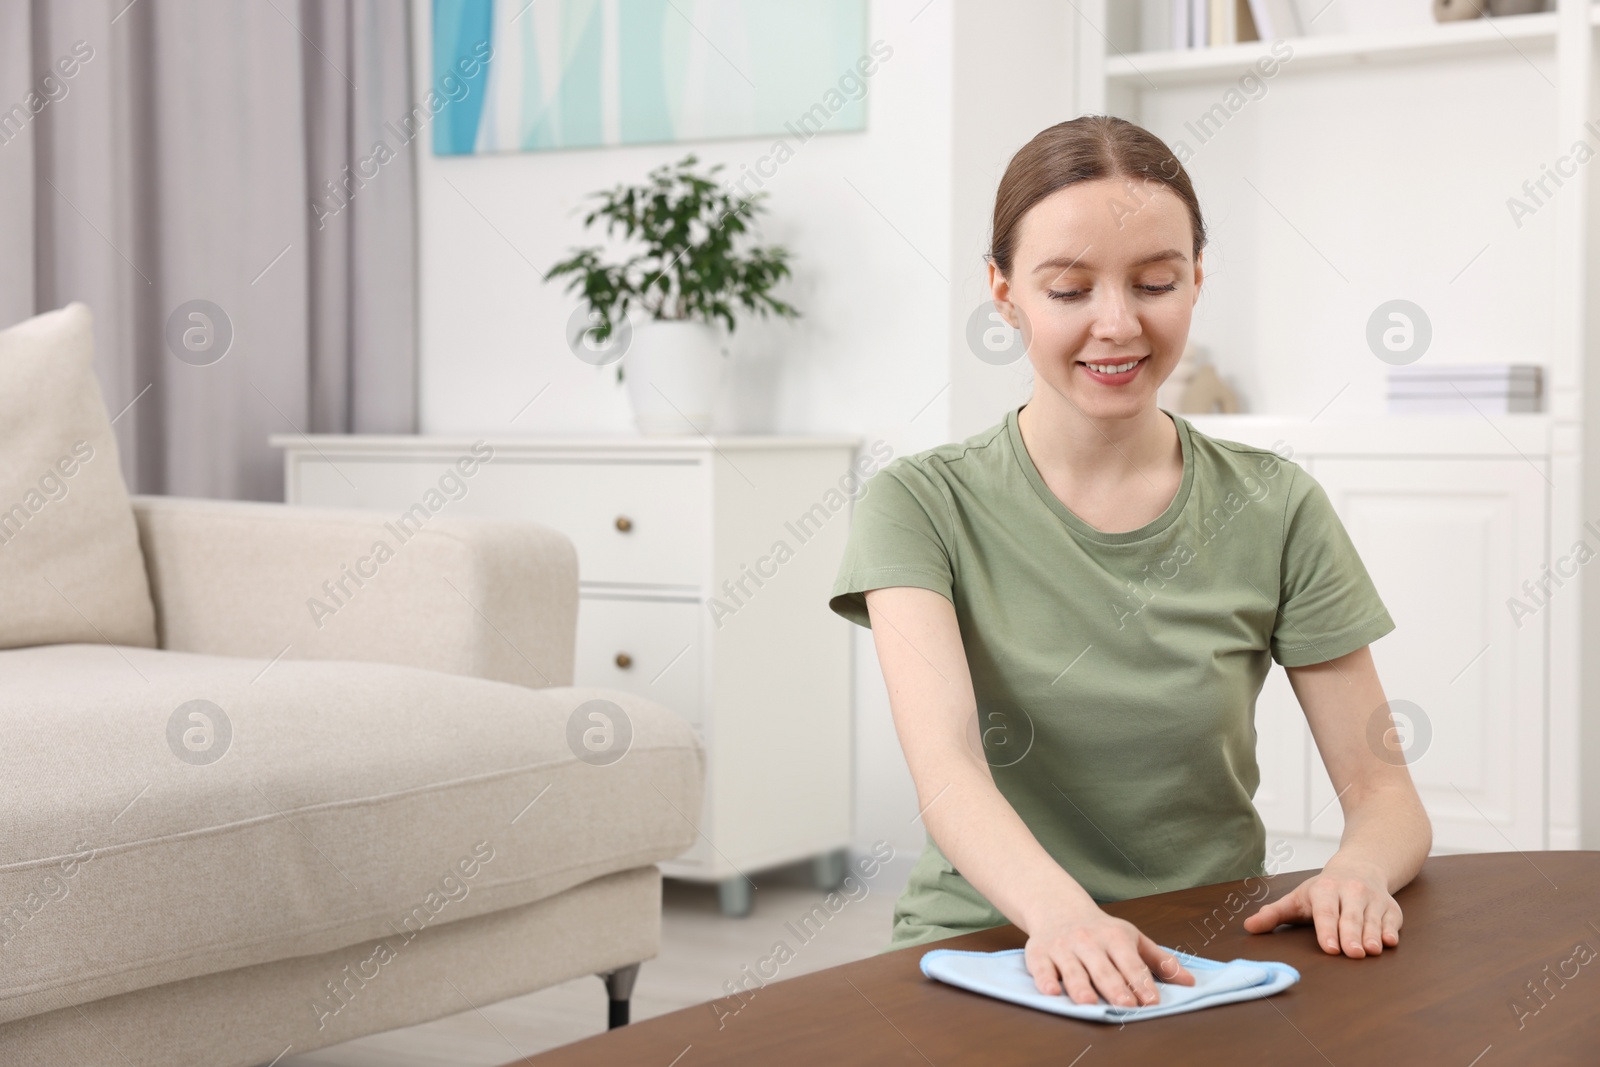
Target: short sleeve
895 539
1327 603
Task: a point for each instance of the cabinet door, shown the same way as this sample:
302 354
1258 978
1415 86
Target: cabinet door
1448 542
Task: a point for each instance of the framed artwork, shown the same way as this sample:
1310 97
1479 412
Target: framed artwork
520 76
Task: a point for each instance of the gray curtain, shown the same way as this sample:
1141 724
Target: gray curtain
246 154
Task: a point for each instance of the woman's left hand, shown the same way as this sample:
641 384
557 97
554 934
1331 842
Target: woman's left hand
1350 905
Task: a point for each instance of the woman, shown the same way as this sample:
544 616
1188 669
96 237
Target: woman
1074 610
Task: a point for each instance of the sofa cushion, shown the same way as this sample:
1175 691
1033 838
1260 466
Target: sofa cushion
313 805
70 565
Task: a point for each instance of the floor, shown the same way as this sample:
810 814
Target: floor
700 949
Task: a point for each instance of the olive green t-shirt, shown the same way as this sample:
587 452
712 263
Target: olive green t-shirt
1116 674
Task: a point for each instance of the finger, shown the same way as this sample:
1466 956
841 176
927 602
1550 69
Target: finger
1044 970
1163 964
1135 973
1392 918
1372 929
1265 918
1351 912
1107 979
1292 908
1079 989
1269 916
1325 913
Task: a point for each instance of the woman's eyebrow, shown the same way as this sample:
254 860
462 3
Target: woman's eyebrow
1062 262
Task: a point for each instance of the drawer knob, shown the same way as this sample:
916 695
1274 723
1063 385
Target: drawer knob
624 523
624 660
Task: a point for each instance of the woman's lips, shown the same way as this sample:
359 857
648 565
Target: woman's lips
1120 378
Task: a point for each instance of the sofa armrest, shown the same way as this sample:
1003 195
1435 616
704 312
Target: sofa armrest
479 597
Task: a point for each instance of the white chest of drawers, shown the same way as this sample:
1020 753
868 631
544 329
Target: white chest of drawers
704 571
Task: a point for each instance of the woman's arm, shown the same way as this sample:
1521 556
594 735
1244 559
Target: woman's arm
1071 943
1386 831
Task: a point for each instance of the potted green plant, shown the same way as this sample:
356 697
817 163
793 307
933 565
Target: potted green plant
686 277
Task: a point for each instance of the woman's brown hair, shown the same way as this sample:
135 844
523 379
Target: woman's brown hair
1087 148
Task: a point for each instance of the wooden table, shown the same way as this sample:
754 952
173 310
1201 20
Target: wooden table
1456 990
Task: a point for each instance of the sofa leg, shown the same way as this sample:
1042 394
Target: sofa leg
619 991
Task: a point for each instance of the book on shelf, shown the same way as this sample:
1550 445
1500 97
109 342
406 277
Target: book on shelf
1275 18
1442 374
1442 389
1215 23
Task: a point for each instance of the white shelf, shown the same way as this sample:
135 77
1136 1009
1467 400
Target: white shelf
1449 40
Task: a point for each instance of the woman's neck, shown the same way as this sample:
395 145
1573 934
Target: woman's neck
1068 445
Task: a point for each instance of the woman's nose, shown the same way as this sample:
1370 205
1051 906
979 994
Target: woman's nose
1115 321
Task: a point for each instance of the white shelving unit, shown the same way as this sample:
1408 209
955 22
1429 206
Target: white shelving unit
1452 40
1378 165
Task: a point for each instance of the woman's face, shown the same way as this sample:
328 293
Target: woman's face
1102 276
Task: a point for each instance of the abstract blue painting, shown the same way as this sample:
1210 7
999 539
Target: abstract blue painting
515 75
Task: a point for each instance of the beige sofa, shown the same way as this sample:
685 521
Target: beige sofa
236 828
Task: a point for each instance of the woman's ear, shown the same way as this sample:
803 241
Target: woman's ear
1199 273
1000 293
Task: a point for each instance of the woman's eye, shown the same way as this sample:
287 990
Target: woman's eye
1073 294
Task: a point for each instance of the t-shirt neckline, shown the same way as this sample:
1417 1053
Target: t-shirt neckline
1077 525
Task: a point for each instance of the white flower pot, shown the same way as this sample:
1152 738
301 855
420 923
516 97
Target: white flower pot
673 370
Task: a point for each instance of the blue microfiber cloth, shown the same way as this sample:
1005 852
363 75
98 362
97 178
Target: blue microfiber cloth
1005 975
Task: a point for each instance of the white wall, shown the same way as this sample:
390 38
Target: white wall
1012 74
868 218
862 213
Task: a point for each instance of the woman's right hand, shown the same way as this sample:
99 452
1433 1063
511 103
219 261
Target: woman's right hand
1089 955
